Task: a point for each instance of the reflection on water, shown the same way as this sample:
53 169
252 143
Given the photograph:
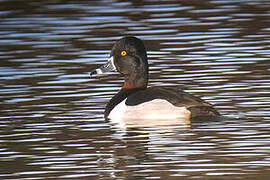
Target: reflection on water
51 113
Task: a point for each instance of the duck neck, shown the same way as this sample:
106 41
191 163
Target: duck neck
135 82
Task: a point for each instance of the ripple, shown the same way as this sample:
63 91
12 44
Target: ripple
52 124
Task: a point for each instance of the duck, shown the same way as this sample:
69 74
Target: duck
137 102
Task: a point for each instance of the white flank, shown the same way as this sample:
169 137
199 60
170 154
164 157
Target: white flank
155 112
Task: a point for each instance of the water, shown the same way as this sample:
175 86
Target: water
52 124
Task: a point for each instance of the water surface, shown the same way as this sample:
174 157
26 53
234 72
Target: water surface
51 115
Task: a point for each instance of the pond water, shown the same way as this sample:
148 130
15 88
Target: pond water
51 115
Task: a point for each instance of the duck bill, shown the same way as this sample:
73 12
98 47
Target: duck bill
108 67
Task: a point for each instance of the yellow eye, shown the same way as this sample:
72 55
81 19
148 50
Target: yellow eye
123 53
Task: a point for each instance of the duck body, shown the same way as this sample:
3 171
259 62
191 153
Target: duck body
137 102
159 103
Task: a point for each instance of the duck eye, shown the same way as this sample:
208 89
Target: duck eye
123 53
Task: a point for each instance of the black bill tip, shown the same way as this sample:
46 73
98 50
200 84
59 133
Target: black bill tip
92 73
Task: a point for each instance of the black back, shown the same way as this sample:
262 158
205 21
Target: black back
177 97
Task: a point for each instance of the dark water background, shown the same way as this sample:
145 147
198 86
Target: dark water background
51 112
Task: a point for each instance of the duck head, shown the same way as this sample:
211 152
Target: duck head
128 57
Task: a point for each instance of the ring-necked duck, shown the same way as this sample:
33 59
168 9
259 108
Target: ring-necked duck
135 101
